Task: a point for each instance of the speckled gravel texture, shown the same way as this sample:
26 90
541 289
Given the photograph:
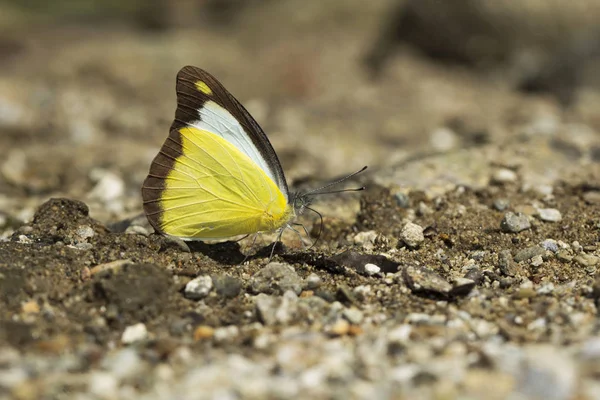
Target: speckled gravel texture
468 268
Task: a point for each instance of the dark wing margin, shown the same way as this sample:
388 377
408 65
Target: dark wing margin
154 184
190 100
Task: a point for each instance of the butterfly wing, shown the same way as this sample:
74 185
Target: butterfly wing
203 102
216 175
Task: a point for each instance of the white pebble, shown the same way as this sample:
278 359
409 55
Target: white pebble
198 288
365 239
134 333
313 281
443 139
372 269
225 333
84 232
537 260
103 385
549 214
412 235
504 175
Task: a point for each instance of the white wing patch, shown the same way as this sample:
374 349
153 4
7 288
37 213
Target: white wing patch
216 119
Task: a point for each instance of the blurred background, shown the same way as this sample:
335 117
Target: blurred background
87 89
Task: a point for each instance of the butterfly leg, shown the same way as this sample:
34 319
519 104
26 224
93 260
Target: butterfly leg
246 251
300 235
275 243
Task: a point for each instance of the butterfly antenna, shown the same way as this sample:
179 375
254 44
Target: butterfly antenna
318 190
338 191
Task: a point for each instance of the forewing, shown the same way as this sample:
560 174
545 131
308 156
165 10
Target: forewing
204 103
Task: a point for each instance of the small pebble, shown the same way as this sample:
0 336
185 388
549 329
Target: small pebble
506 263
424 209
501 204
537 260
514 223
592 197
443 139
545 190
546 288
276 278
83 246
550 245
586 260
84 232
476 275
339 328
273 310
462 287
226 286
402 200
198 288
353 315
103 385
478 255
137 230
313 281
412 235
134 333
504 175
371 269
525 293
564 255
30 307
549 214
526 209
423 280
365 239
226 333
357 261
529 253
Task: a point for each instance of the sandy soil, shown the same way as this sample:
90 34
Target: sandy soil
467 269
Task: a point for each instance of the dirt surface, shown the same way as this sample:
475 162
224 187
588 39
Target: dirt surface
466 269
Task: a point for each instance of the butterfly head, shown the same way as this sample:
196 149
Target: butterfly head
300 202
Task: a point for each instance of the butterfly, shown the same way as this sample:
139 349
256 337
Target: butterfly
217 176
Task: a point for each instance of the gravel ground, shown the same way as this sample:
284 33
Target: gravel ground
466 270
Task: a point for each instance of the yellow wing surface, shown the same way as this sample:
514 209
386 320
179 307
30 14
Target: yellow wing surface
202 187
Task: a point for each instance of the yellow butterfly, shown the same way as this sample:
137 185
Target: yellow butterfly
217 175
